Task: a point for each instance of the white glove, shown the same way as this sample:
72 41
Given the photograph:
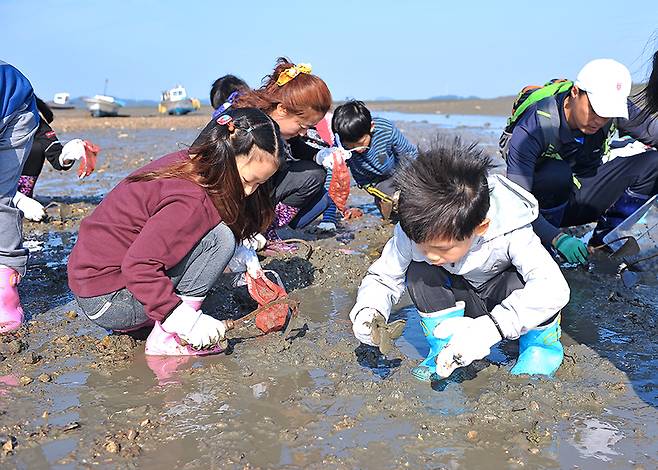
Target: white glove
72 151
361 325
469 339
326 227
245 259
32 209
325 157
198 329
256 243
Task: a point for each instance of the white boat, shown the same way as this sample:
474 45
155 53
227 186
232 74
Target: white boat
61 101
175 101
103 106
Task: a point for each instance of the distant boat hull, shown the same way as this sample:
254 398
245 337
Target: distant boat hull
60 106
102 106
178 108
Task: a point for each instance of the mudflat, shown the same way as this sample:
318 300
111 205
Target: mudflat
75 396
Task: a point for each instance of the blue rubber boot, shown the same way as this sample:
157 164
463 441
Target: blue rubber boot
540 350
623 208
429 321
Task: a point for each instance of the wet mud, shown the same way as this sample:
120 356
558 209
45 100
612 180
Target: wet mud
74 396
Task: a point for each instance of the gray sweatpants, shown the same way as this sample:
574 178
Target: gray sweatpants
16 133
193 277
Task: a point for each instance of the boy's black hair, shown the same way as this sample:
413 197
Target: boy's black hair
443 192
223 87
351 121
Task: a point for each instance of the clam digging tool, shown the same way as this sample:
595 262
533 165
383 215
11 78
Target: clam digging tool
307 245
629 247
383 334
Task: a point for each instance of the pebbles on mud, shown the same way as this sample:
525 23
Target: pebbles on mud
25 380
44 378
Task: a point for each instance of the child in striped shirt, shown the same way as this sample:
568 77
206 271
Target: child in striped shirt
376 147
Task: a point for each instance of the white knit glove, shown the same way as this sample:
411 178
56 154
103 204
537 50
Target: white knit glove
198 329
361 325
245 259
72 151
31 209
469 339
325 157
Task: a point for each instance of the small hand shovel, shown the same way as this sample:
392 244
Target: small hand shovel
383 334
630 247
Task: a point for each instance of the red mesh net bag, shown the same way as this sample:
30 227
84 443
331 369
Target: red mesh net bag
88 162
339 186
271 317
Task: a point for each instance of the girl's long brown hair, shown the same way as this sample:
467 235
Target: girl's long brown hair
304 92
212 166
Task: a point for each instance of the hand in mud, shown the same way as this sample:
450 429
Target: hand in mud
199 330
469 339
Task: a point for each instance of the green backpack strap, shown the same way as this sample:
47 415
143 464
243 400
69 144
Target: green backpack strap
550 89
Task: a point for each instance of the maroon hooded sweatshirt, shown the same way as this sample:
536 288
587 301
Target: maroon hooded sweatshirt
139 231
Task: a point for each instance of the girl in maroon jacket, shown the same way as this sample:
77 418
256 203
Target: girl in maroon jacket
157 243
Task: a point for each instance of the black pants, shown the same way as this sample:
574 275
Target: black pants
432 288
298 183
553 185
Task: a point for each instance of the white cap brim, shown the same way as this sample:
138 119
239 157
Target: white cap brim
608 108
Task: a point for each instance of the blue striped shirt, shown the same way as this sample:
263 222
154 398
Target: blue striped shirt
387 145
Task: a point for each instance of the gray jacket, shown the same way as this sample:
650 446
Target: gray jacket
509 241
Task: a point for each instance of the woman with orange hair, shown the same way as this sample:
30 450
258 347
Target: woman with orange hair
297 101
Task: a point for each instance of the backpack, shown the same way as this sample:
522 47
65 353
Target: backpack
547 110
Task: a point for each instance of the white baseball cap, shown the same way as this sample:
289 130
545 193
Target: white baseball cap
608 84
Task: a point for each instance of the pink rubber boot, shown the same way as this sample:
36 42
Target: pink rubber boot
163 343
11 311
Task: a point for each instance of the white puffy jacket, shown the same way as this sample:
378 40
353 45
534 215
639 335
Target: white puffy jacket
509 241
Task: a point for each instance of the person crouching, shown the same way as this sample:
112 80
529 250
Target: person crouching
474 268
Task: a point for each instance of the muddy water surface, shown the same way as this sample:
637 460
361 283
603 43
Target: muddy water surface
71 396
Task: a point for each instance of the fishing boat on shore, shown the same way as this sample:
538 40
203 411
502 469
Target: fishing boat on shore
103 106
61 101
176 102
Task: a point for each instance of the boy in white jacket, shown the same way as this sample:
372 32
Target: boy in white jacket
475 270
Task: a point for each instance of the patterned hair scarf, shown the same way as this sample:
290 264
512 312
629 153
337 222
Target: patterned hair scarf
229 102
290 73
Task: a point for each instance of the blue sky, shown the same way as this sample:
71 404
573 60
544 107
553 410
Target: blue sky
363 49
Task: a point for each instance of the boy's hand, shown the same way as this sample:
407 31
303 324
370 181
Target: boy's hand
362 326
469 339
573 250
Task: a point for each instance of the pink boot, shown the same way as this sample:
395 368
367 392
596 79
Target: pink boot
11 312
163 343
